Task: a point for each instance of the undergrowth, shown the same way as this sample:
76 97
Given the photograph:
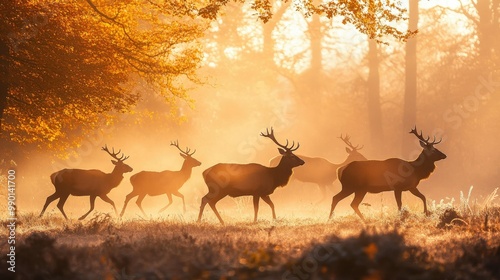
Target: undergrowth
455 242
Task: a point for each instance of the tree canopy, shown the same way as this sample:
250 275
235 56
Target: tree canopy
375 18
68 64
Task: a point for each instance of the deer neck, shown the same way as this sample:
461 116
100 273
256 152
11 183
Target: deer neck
116 177
282 174
186 170
423 165
345 162
351 158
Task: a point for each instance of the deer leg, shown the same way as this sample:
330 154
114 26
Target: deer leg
212 203
127 199
337 198
255 207
139 201
267 199
397 194
418 194
204 202
108 200
92 203
49 201
60 204
169 195
177 193
358 197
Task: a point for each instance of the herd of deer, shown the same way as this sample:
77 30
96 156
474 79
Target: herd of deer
356 174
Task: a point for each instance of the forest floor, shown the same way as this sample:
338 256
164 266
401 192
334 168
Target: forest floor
449 244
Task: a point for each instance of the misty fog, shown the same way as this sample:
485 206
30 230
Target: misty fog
310 80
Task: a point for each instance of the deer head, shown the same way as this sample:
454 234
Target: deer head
352 150
431 152
347 141
287 152
186 155
118 162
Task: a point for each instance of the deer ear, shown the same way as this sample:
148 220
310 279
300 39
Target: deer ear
348 150
423 145
281 151
114 162
183 155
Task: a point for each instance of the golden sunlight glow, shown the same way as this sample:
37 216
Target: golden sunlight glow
202 102
292 44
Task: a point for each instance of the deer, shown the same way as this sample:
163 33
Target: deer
320 171
394 174
251 179
165 182
93 183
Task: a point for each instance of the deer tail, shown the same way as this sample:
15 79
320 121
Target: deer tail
206 172
340 171
53 176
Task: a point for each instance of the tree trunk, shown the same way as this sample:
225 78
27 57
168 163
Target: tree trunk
4 85
484 29
316 55
374 110
268 43
496 26
268 28
410 97
311 80
488 29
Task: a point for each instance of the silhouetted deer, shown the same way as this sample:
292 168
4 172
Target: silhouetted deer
164 182
93 183
253 179
320 171
374 176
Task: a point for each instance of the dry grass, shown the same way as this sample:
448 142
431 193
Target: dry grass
453 243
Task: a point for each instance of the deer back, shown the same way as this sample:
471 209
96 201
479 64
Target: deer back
239 179
155 183
83 182
316 170
375 176
245 179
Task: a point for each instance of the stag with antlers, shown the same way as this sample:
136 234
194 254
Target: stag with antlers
394 174
321 171
93 183
252 179
164 182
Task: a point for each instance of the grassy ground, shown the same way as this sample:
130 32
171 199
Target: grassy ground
453 243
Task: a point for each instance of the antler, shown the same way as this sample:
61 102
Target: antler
421 138
114 155
176 144
348 142
271 136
